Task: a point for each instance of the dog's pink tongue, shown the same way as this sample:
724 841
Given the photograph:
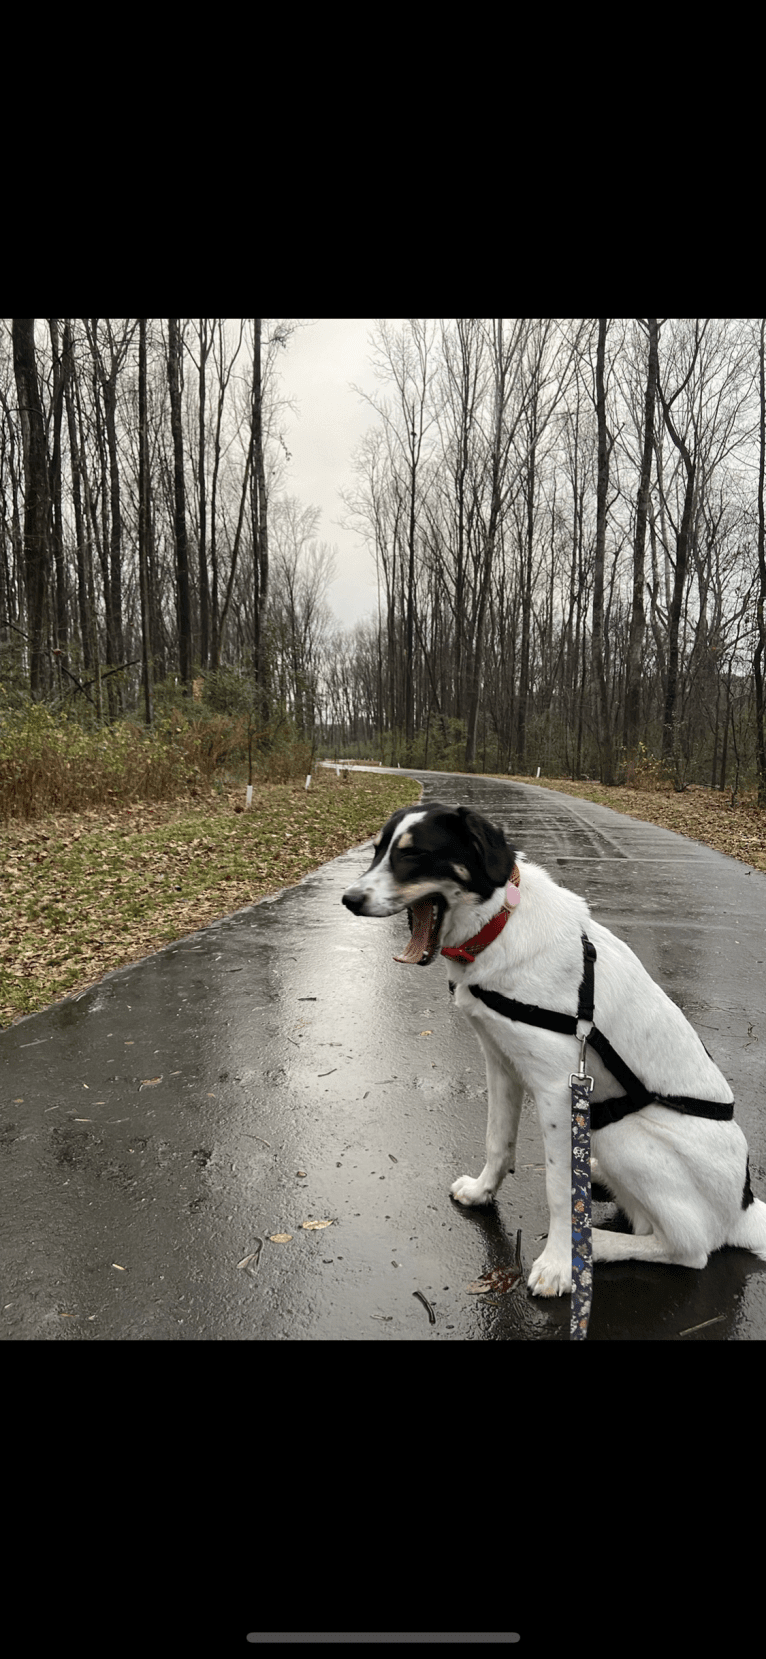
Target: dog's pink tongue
421 926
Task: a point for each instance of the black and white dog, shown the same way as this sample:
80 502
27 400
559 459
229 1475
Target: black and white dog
680 1175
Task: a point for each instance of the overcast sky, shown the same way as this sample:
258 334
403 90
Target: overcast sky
317 368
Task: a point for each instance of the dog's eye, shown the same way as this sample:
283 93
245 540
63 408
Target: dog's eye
404 858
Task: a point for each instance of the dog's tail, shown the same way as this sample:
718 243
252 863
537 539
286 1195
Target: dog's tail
750 1230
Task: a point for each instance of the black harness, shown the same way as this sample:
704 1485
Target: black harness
636 1093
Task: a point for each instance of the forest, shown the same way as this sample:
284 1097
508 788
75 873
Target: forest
566 519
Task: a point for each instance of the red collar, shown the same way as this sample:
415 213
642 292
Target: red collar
470 950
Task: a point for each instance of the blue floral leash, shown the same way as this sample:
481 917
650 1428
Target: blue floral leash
582 1254
581 1085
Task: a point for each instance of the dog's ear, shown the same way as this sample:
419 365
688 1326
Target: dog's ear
489 846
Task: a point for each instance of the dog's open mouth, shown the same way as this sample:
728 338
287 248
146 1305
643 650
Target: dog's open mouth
425 919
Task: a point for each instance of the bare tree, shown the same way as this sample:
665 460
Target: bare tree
638 614
531 370
404 356
707 420
760 608
36 501
605 744
175 383
506 356
259 527
83 548
682 542
299 616
54 471
143 525
462 386
225 362
205 347
108 361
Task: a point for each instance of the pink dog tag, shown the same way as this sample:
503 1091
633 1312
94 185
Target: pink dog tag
512 895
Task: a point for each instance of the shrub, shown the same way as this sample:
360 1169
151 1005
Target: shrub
50 763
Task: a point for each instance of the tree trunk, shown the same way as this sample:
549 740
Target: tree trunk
525 589
182 549
86 635
605 744
638 616
115 539
760 648
143 525
260 531
55 492
36 503
474 677
204 590
679 582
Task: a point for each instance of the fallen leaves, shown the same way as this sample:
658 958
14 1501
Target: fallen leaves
502 1278
252 1261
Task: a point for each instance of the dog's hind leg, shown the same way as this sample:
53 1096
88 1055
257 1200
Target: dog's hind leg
647 1247
505 1094
749 1230
552 1275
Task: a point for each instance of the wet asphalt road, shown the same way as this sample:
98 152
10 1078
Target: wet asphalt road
279 1068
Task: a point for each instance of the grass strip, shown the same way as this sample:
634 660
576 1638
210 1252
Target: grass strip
84 894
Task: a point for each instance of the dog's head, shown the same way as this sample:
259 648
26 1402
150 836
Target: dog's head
428 860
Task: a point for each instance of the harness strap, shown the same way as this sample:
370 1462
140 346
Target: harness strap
526 1012
585 993
637 1095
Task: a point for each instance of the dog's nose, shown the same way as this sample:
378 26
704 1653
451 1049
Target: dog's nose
353 900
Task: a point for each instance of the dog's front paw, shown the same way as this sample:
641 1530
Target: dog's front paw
551 1275
469 1191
